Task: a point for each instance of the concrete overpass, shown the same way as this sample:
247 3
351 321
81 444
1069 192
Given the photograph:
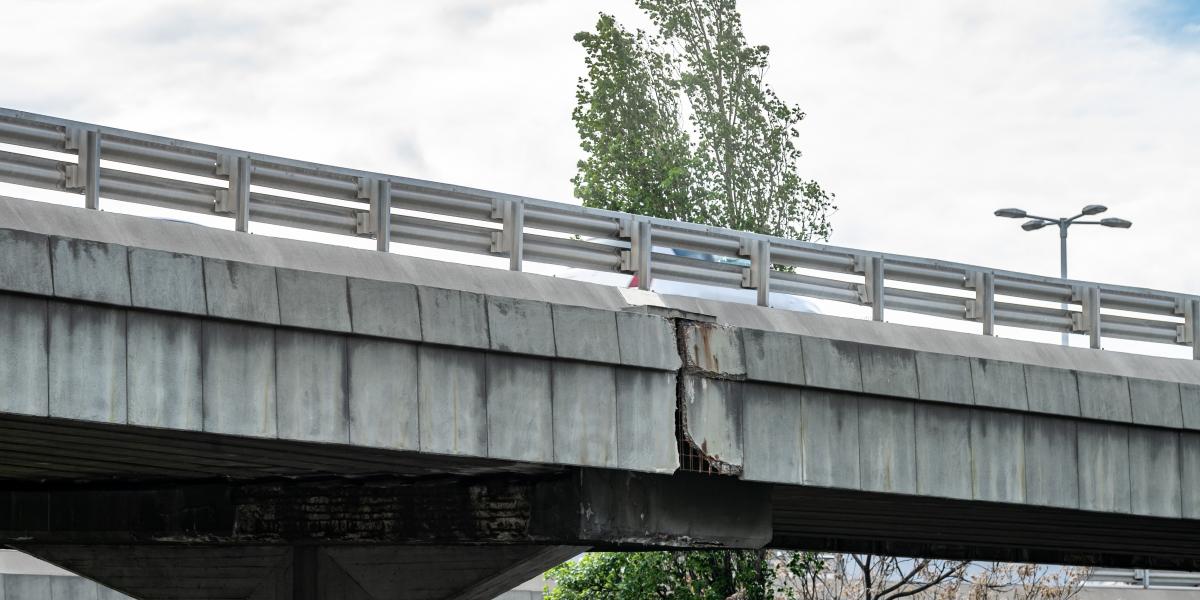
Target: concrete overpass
193 412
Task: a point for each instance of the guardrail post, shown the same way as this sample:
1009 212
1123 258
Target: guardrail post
236 199
758 275
874 277
381 215
1192 323
1091 311
636 259
510 240
85 175
985 301
377 220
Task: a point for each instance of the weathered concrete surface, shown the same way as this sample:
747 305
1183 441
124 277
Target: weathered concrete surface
521 326
446 365
586 334
167 281
165 372
313 300
25 262
243 291
239 379
95 337
383 385
520 409
585 415
87 270
23 356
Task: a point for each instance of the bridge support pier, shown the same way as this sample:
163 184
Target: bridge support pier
309 572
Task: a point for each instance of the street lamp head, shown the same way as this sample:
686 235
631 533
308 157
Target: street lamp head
1033 225
1012 213
1115 222
1094 209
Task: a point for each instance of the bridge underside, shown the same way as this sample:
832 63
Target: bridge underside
159 520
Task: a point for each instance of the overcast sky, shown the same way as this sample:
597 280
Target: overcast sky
923 116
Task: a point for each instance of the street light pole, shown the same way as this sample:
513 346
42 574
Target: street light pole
1064 223
1062 267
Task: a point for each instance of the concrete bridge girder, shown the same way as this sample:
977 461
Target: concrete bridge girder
154 356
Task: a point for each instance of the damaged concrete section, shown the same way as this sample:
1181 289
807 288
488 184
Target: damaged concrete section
579 507
710 403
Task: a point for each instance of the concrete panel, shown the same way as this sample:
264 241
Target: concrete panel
712 420
23 347
1052 391
646 403
25 262
87 362
714 348
999 384
86 270
585 414
887 448
520 408
944 378
1190 398
1189 461
165 371
27 587
1154 473
453 318
829 435
385 309
647 341
241 291
312 385
772 433
73 588
383 394
773 357
239 379
1156 403
832 364
521 326
943 435
889 371
453 405
1104 397
586 334
313 300
167 281
1051 462
997 456
1104 467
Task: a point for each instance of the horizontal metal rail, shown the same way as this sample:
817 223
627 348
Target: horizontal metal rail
250 187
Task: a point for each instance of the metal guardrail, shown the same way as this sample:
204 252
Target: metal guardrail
1144 578
246 187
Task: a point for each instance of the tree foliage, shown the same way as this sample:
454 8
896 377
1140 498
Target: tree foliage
691 575
780 575
682 125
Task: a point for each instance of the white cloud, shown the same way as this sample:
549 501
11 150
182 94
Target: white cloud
924 116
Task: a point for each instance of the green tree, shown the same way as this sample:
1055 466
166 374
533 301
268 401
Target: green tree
682 125
690 575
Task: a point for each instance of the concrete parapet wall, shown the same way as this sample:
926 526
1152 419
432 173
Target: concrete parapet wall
106 333
834 413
